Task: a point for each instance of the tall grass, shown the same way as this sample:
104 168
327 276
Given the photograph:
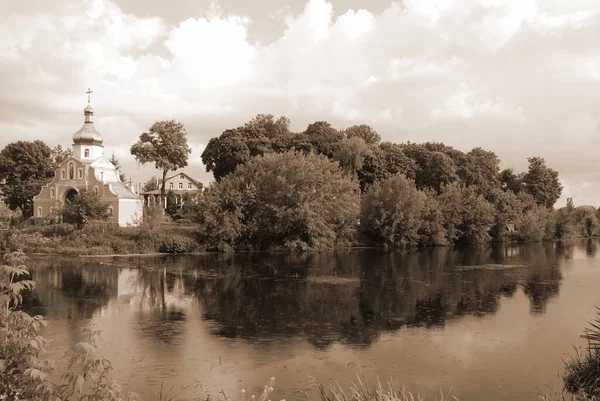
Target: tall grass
582 372
361 390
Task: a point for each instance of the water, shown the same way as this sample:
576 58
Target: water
435 319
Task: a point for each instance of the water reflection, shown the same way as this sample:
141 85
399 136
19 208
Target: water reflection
350 297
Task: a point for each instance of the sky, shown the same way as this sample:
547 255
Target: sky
518 77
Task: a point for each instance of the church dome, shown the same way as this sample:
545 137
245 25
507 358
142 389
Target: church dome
87 135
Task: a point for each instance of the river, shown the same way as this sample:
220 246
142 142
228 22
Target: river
489 323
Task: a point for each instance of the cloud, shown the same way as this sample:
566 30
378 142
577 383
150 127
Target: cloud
520 78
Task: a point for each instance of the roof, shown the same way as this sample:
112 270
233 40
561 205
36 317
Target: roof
87 134
194 181
122 191
175 191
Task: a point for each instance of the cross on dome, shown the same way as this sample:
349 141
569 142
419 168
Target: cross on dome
89 92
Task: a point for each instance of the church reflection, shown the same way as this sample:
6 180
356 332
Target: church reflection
351 297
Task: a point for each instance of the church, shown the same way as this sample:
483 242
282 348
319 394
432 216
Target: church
88 168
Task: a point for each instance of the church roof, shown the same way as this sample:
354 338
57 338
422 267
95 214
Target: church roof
87 135
122 191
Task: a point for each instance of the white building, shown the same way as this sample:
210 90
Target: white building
88 168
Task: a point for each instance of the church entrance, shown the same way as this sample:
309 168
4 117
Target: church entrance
71 194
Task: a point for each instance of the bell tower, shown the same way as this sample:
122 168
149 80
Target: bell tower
87 142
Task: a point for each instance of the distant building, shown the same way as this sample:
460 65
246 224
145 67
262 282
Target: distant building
179 183
88 168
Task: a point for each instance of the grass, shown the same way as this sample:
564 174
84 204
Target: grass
582 372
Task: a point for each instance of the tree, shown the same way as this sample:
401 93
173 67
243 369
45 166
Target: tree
324 138
263 134
114 160
391 212
171 204
85 206
509 181
223 154
542 182
151 184
24 168
165 145
289 200
368 134
59 155
351 154
468 217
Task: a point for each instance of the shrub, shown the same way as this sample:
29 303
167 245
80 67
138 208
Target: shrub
279 198
391 212
177 244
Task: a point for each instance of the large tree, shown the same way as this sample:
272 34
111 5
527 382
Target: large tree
286 199
391 212
24 168
165 145
542 182
263 134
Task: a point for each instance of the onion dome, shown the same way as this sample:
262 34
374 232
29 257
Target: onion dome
87 135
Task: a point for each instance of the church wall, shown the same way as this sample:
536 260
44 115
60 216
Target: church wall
130 212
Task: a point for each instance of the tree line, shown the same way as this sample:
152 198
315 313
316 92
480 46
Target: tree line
324 187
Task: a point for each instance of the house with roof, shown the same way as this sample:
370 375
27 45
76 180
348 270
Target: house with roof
88 168
180 184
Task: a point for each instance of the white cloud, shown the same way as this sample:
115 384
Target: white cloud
519 77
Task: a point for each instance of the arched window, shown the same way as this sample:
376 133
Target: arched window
63 174
71 171
86 153
102 176
79 173
96 190
52 193
39 211
110 210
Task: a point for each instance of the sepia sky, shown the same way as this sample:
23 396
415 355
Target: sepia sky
519 77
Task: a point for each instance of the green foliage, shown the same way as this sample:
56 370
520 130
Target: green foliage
392 211
365 132
537 224
165 145
177 244
151 184
24 168
542 182
279 200
60 155
582 372
172 207
468 217
85 206
117 163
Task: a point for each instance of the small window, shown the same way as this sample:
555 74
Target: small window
102 176
80 173
52 193
189 185
71 171
86 153
181 176
96 190
181 185
110 210
171 185
63 174
39 211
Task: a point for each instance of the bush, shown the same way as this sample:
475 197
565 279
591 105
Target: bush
391 212
177 244
280 198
